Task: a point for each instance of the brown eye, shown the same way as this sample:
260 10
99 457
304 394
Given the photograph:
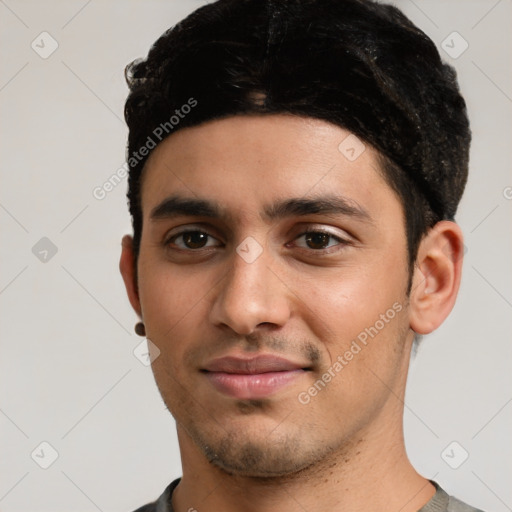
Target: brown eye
317 240
193 240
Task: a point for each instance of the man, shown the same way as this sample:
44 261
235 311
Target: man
295 168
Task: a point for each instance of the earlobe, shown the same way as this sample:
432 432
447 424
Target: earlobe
127 268
436 277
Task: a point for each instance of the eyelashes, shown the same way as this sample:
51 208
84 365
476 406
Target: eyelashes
311 240
193 240
315 238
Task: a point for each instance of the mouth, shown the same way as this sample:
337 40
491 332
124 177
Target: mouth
252 378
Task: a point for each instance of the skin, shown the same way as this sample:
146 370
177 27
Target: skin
303 298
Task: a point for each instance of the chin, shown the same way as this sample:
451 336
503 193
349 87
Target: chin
252 461
244 454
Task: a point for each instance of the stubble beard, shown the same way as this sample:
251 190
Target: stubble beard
281 453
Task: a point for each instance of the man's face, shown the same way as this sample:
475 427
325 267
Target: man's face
272 276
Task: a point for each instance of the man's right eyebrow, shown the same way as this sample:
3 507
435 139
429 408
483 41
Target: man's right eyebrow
175 206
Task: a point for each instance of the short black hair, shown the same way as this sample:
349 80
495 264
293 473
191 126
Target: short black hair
358 64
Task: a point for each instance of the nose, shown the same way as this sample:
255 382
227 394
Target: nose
251 295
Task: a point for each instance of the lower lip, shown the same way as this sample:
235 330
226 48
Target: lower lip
247 387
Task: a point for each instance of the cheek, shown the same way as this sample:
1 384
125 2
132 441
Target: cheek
363 330
342 305
168 292
174 309
365 369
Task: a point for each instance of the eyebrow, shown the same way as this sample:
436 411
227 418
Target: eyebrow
175 206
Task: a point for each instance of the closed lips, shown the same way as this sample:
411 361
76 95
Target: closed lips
255 378
255 365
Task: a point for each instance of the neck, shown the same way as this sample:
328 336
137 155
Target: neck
371 472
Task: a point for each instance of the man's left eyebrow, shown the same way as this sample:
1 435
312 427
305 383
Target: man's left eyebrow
325 205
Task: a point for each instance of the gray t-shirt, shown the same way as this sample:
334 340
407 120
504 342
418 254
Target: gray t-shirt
440 502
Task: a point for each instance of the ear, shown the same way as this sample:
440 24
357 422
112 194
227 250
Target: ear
128 271
436 278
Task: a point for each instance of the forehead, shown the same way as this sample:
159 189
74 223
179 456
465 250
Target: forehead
246 162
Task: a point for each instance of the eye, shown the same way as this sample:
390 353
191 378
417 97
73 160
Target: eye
318 240
193 240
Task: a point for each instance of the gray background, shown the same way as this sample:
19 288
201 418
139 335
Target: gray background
68 373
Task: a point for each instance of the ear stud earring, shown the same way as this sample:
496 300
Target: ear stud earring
140 329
